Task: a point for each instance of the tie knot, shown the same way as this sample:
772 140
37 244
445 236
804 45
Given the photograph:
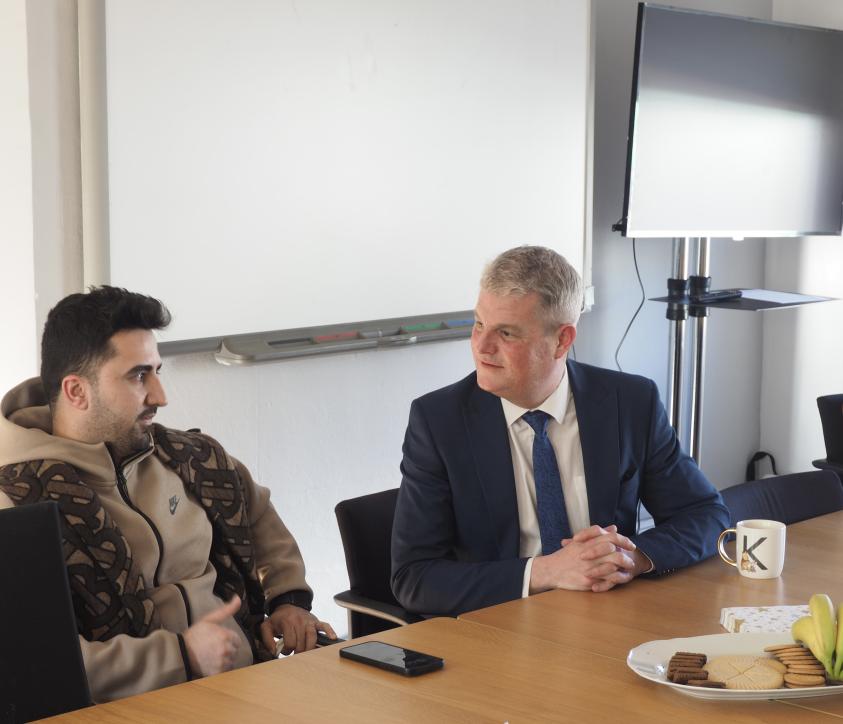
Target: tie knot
537 419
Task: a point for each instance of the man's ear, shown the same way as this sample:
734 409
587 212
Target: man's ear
76 392
567 335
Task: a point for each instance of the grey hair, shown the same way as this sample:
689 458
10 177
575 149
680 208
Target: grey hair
527 269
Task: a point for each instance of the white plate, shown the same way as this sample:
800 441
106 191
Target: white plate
650 662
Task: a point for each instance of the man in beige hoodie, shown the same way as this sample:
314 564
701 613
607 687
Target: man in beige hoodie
179 565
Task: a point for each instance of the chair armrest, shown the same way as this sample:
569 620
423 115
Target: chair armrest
369 606
824 464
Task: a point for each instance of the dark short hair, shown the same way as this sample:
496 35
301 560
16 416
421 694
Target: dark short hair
79 328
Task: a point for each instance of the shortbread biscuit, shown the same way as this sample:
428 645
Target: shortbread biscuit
808 669
799 686
744 672
773 664
804 679
784 647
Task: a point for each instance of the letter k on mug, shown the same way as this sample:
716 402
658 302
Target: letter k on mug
759 548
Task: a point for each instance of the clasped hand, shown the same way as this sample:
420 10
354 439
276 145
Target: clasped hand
595 559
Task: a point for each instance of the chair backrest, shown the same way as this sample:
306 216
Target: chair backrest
41 667
831 416
365 525
786 498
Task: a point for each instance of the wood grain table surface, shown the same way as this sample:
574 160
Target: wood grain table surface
559 656
685 603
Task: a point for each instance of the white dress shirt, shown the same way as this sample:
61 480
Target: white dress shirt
564 434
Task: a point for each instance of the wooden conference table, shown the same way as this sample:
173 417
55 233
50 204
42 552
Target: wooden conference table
559 656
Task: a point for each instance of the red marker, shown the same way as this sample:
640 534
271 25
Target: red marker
337 337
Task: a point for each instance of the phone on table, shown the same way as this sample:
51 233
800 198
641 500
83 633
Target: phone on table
392 658
321 640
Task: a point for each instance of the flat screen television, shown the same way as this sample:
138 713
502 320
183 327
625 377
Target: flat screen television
736 128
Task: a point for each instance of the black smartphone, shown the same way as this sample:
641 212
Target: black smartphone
392 658
718 295
323 640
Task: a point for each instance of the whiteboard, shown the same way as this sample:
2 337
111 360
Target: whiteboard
274 165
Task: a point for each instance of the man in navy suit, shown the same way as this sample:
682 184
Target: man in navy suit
526 475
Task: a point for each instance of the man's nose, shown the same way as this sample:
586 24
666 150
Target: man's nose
484 342
155 396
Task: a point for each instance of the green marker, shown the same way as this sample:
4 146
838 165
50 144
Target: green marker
424 327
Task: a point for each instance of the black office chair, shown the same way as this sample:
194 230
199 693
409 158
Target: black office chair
786 498
831 416
366 530
41 668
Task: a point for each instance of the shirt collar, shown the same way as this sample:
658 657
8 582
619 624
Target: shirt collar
555 405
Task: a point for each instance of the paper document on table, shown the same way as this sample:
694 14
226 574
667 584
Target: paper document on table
760 619
768 295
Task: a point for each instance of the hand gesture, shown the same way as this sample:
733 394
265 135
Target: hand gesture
211 648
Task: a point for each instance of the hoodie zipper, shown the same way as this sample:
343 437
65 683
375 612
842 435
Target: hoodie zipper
124 493
188 612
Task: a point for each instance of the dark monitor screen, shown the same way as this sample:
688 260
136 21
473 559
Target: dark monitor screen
736 128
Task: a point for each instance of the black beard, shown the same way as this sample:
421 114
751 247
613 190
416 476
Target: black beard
128 445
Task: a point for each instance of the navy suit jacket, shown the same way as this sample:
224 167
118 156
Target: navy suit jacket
455 537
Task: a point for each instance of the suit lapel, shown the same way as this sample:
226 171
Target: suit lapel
486 429
597 417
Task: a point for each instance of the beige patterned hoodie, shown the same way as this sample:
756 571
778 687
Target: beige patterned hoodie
170 537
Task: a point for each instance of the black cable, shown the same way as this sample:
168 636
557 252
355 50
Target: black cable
643 299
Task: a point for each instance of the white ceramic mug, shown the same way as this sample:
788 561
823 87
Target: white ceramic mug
759 547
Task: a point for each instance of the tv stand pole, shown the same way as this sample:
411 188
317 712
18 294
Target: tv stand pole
700 284
679 287
677 313
680 290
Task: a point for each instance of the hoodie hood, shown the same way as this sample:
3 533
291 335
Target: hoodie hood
26 434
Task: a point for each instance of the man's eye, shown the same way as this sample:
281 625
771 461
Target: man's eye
140 376
506 334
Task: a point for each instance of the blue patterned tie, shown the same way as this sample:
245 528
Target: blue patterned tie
550 502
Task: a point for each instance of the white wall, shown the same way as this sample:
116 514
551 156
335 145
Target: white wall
819 13
17 290
54 107
803 347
